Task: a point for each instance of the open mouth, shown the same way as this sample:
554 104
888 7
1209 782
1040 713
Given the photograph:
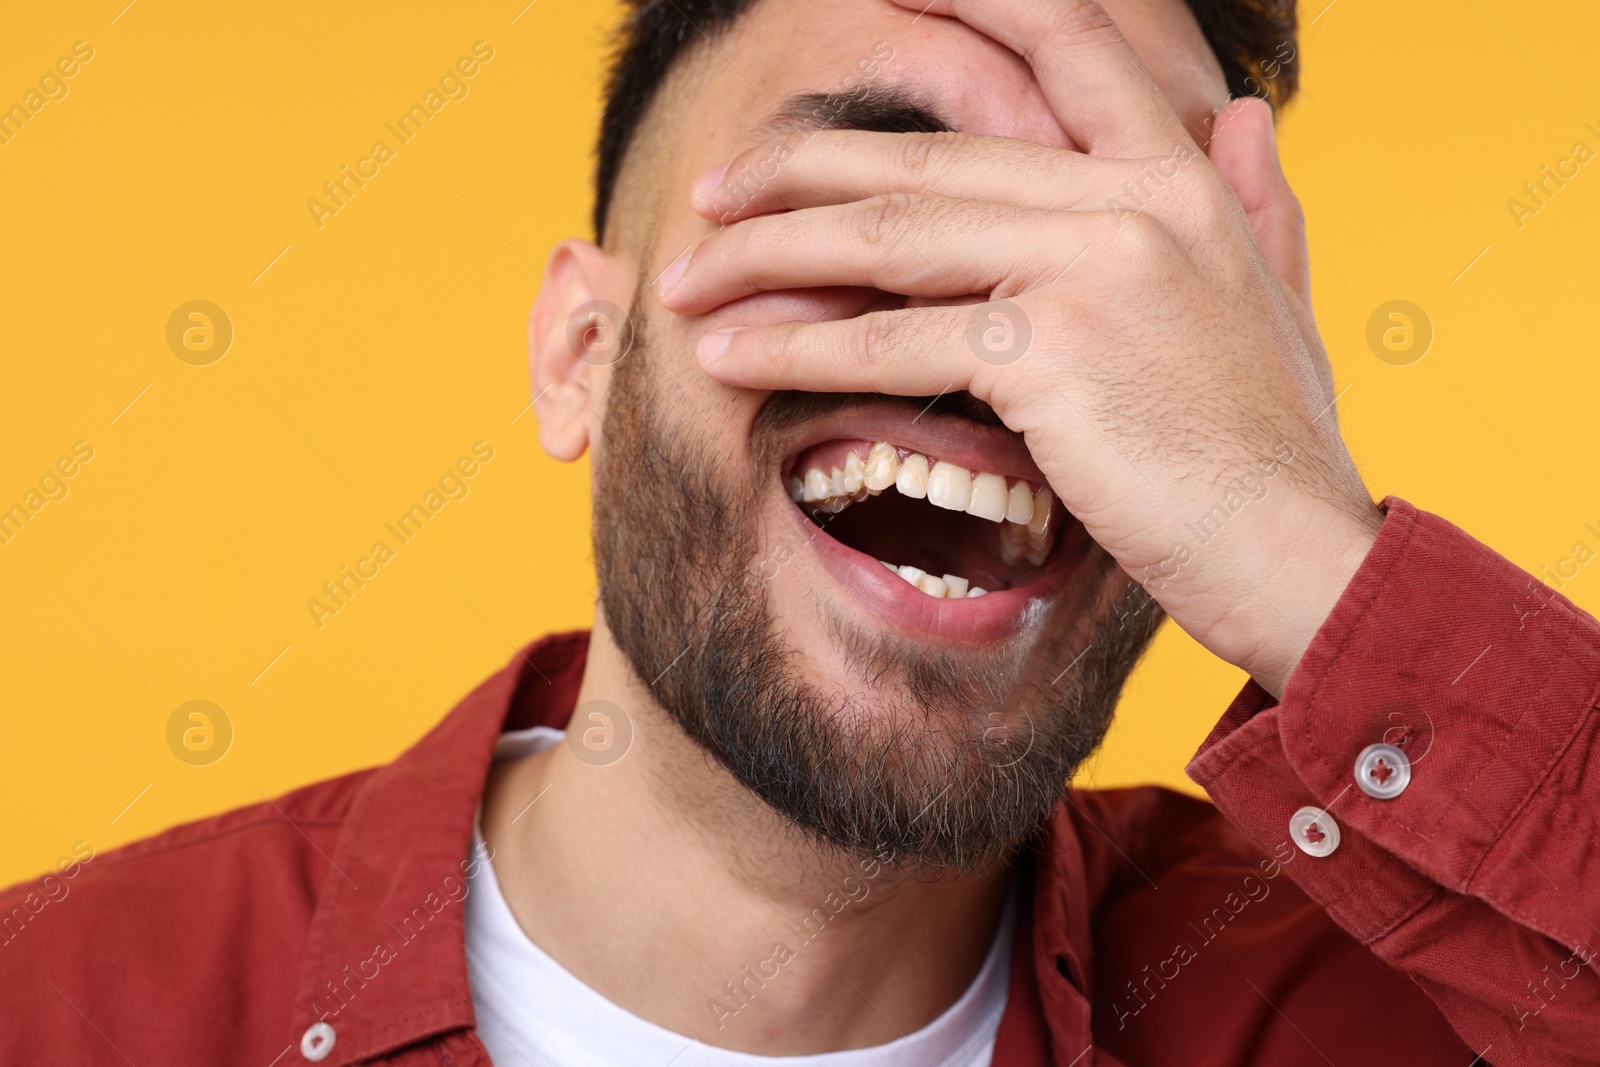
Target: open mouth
929 512
950 531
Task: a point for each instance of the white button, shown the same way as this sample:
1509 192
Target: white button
1314 831
317 1041
1383 771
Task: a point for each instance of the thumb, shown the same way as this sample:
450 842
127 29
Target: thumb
1244 149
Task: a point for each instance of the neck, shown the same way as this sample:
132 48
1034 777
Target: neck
671 890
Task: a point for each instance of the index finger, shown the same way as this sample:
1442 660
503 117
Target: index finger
1097 87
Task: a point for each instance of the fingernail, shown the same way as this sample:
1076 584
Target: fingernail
674 272
706 186
713 346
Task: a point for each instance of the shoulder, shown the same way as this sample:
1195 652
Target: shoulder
210 916
1199 927
1129 836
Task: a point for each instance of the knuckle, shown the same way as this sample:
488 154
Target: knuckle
916 156
752 176
788 154
738 190
878 337
1082 18
1048 164
782 346
1213 198
882 218
731 248
925 157
766 232
1142 236
1092 17
741 186
876 330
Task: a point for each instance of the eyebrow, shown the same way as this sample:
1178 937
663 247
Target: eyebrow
876 108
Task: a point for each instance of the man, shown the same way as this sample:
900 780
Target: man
946 321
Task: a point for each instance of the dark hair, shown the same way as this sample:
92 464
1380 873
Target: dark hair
1254 41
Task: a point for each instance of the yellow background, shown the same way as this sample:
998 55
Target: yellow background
373 352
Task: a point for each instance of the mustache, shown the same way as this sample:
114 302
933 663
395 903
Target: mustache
789 409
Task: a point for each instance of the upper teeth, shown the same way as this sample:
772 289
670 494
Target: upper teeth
883 465
912 480
1026 531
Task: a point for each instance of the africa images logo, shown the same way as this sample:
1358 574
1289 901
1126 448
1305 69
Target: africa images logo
338 191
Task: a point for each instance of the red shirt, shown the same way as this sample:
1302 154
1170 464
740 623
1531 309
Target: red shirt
1158 930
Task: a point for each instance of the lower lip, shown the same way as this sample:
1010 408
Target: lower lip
994 616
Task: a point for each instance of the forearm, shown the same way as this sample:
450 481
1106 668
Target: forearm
1478 876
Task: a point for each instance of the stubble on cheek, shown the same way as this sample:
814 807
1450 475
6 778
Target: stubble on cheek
941 759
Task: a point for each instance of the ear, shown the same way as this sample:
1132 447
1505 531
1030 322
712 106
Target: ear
568 333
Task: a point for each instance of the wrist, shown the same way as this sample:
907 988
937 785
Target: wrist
1297 583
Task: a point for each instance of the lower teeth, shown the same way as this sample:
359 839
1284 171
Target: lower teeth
950 587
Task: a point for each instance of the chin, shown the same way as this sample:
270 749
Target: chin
883 625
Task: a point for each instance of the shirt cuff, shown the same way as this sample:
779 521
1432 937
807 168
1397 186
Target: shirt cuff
1481 675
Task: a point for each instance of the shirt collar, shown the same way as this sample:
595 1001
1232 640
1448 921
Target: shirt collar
385 957
386 954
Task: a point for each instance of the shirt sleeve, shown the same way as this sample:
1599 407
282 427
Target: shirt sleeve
1481 877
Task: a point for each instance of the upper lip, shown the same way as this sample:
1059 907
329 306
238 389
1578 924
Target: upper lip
941 435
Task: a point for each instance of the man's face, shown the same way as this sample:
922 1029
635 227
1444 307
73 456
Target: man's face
742 537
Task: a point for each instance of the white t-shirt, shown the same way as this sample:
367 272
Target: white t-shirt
532 1011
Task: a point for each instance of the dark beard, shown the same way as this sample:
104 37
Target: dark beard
959 760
